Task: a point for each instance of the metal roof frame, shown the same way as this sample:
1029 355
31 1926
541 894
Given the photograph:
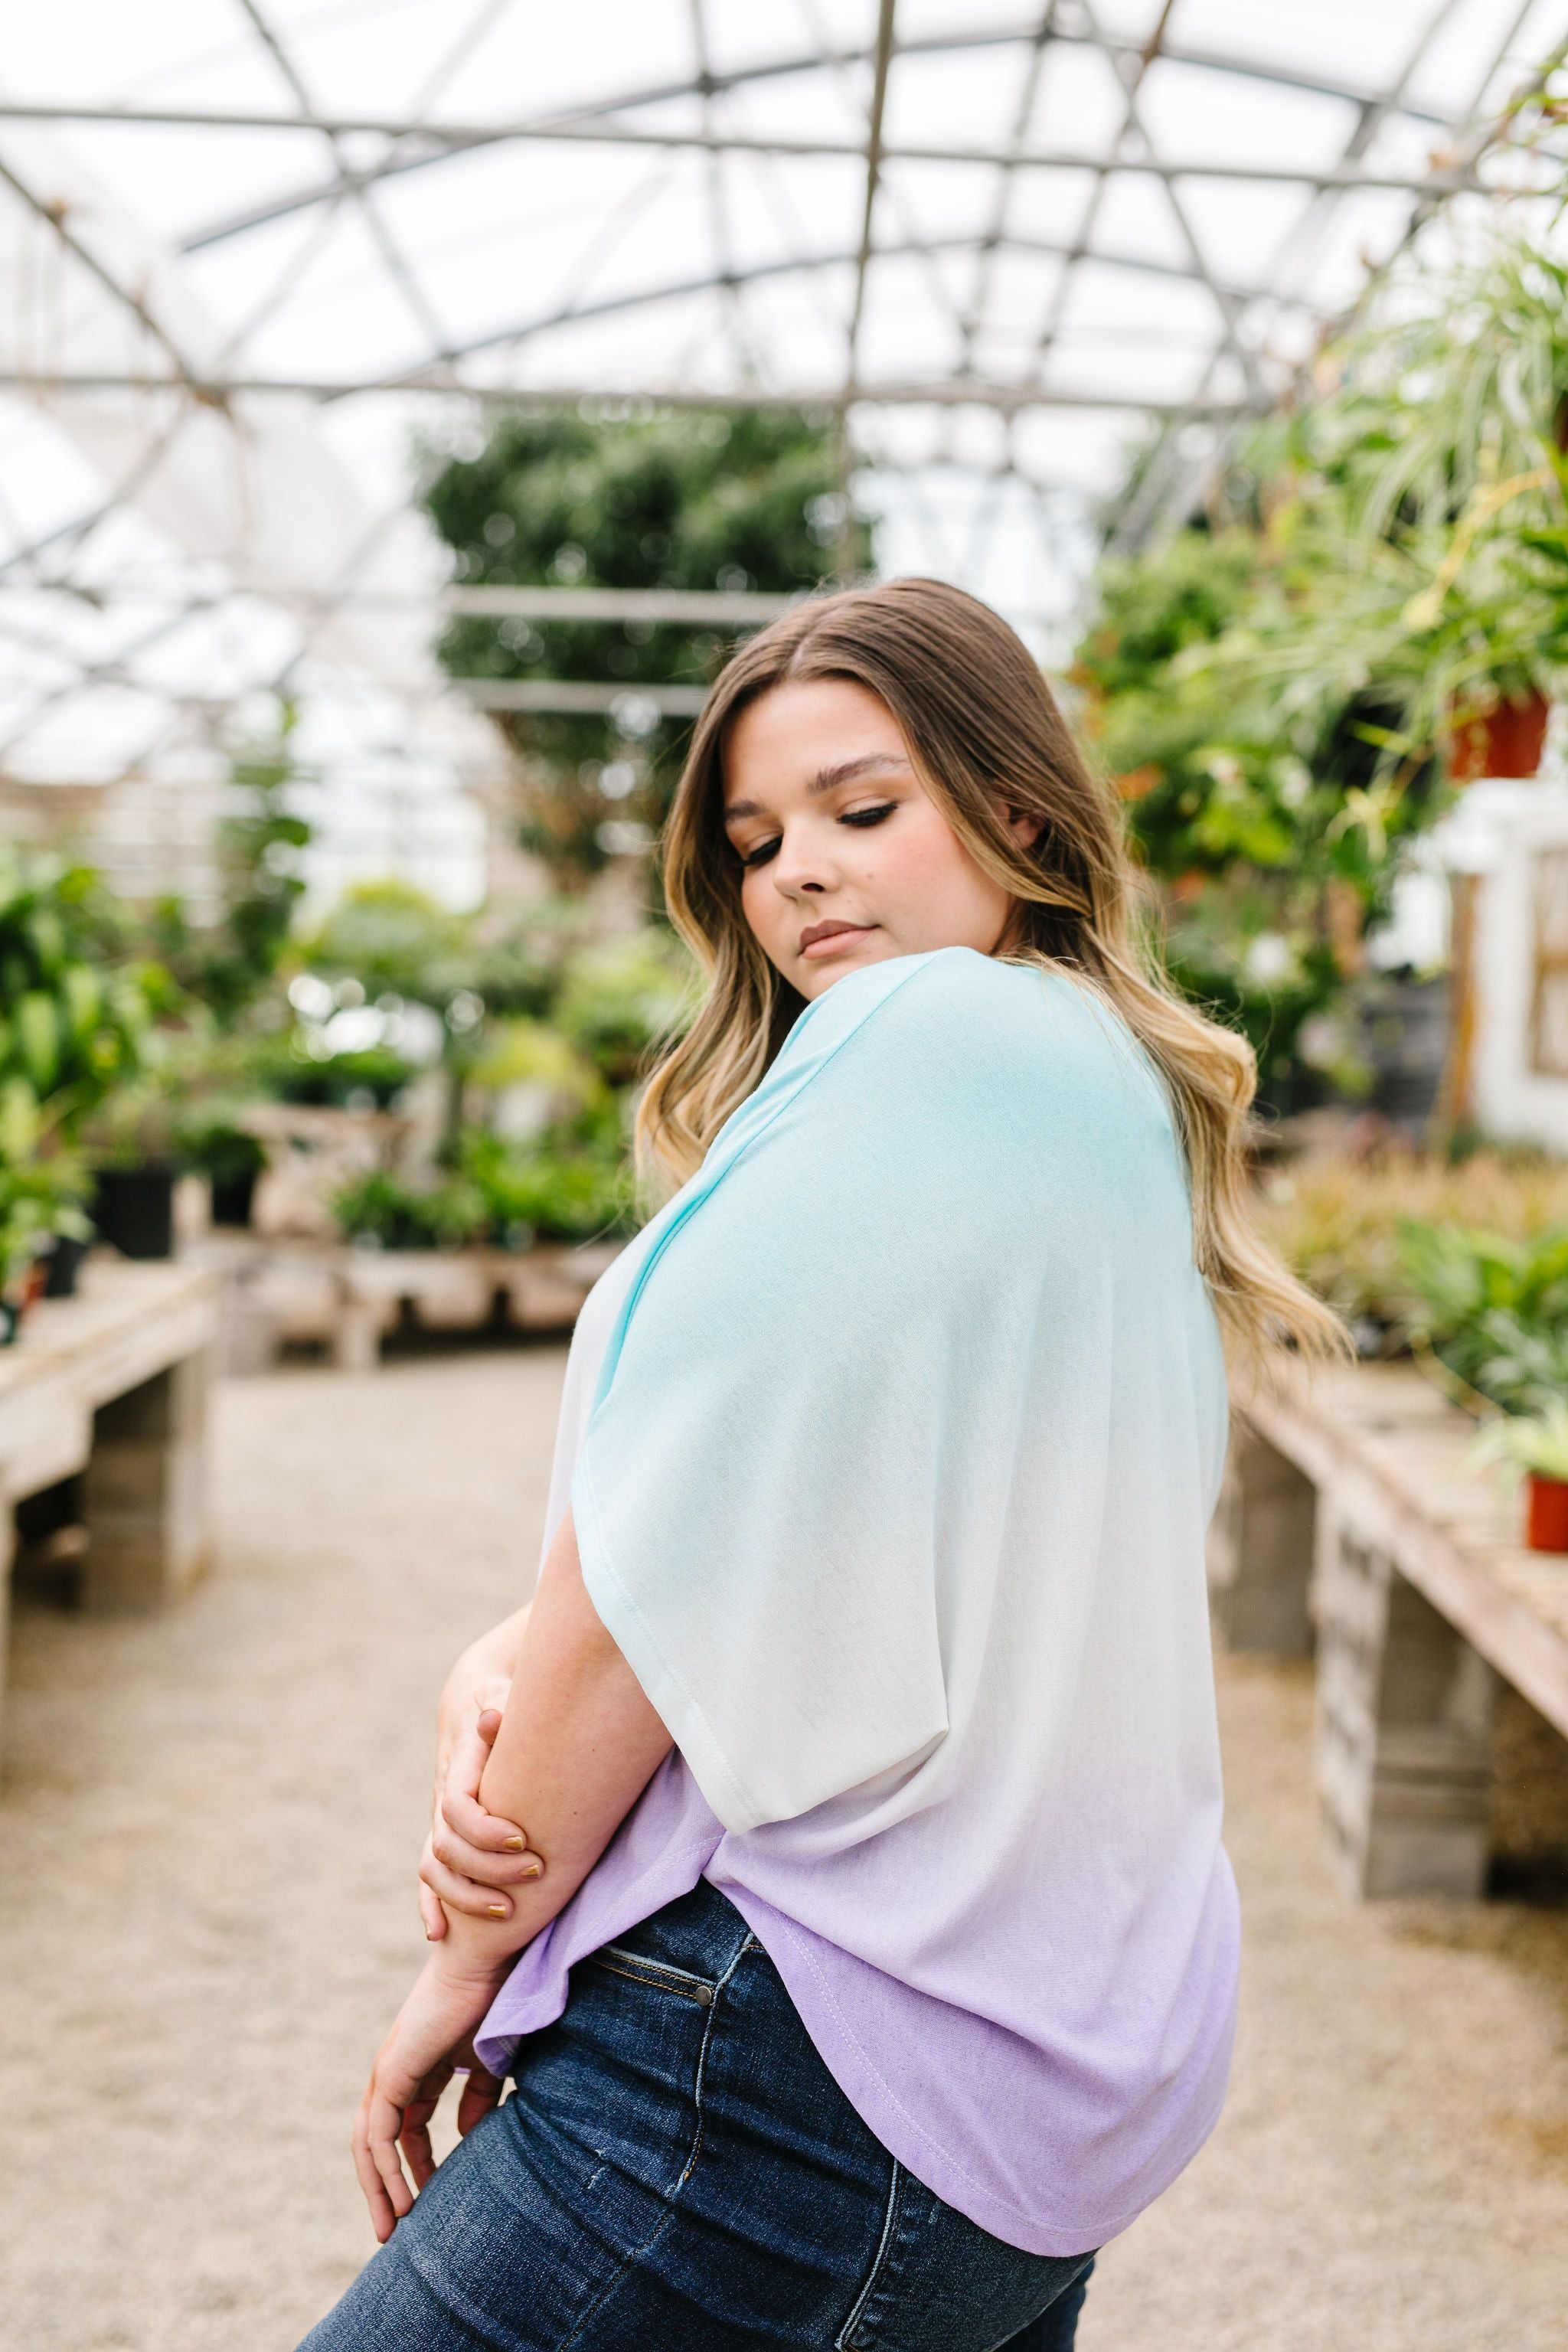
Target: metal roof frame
184 381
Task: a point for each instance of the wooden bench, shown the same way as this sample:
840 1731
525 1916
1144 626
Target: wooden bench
349 1300
113 1385
1351 1506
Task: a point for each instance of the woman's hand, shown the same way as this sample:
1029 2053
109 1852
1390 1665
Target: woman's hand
471 1856
430 2040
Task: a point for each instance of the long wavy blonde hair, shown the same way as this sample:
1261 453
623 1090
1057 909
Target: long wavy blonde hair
985 737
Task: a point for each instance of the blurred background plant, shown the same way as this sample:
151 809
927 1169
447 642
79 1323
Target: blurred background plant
75 1033
748 500
228 964
1284 689
1340 1220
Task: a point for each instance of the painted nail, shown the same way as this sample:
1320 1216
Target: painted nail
496 1911
516 1845
534 1870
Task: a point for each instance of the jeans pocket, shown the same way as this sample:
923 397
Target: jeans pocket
660 1975
939 2282
855 2330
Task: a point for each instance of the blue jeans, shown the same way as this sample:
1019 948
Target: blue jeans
676 2171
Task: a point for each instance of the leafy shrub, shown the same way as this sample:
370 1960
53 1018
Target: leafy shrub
553 1190
620 998
1494 1310
1336 1220
389 1213
289 1074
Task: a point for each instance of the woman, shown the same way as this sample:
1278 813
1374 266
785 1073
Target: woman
878 1946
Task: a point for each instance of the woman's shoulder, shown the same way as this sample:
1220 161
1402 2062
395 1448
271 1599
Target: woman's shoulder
916 994
955 1003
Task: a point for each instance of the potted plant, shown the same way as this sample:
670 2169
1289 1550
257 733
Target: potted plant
76 1023
40 1215
213 1141
384 1212
1537 1445
130 1144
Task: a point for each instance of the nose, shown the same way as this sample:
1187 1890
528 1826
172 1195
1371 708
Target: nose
801 868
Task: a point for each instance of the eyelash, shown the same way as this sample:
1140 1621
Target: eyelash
862 818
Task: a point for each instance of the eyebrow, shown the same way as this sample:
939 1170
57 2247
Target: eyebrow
826 778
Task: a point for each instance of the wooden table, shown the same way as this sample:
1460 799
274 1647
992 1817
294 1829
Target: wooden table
113 1383
1352 1505
351 1299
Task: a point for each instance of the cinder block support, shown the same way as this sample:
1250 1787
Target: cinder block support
1404 1729
145 1492
1261 1549
357 1343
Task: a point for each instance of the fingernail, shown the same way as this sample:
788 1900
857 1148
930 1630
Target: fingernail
534 1870
516 1845
497 1910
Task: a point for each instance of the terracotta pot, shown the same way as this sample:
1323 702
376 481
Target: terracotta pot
1506 741
1546 1513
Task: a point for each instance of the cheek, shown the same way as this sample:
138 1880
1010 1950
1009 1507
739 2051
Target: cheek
922 855
758 903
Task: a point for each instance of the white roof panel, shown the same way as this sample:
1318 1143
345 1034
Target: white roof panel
1083 215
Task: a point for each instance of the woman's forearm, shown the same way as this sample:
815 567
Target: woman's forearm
491 1659
577 1746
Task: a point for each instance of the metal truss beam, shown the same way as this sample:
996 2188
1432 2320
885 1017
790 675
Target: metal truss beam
873 151
349 186
1207 60
947 392
679 604
58 218
583 696
509 338
622 134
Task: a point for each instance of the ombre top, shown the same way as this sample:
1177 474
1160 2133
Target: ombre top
891 1445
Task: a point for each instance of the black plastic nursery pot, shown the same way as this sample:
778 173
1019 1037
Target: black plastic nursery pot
133 1208
233 1197
62 1266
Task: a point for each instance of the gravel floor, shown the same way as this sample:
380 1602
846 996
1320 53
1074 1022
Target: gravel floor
205 1837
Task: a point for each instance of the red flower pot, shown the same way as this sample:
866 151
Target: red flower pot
1506 740
1546 1514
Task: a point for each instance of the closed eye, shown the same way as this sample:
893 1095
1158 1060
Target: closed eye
862 818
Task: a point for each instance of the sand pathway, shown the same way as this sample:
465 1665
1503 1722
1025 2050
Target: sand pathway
205 1837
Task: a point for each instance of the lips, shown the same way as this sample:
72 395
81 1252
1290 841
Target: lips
821 932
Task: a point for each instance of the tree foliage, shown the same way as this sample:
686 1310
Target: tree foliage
749 500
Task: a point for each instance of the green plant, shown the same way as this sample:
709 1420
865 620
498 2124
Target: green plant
1431 487
1537 1443
388 1213
227 965
1337 1221
42 1198
211 1141
74 1025
1494 1310
555 1190
1279 688
1249 808
687 501
620 997
284 1068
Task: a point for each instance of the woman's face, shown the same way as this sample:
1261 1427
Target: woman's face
845 858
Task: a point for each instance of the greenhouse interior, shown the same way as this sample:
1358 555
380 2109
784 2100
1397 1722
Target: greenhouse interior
408 416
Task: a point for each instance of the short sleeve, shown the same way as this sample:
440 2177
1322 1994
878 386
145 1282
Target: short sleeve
760 1501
